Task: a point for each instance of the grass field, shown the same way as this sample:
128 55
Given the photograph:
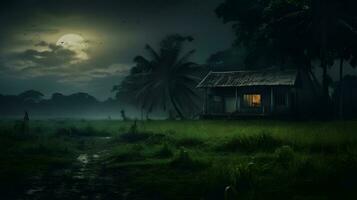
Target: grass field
263 159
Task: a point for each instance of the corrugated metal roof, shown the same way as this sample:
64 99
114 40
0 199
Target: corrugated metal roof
249 78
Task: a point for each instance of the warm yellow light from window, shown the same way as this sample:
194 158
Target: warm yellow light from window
256 99
253 100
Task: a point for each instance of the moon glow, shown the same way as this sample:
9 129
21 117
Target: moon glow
75 43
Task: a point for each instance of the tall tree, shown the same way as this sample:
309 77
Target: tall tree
296 31
164 80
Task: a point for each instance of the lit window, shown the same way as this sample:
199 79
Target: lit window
252 100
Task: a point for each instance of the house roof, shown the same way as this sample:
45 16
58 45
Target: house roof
249 78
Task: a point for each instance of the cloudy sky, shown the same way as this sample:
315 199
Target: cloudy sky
88 45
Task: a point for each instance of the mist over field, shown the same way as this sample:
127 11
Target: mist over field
178 100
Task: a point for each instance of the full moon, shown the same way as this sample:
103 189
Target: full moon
75 43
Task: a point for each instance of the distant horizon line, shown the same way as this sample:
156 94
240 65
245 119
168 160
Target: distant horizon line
48 96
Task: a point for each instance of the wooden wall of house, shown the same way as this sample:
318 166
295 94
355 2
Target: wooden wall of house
219 97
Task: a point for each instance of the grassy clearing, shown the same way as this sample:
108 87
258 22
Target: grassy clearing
192 159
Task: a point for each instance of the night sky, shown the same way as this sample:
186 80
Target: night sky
105 37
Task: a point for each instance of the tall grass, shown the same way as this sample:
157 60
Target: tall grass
261 142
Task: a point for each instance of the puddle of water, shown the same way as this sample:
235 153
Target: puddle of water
83 158
35 190
103 138
78 177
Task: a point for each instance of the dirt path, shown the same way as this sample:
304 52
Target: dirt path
86 178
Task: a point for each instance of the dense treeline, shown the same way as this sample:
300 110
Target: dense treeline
58 105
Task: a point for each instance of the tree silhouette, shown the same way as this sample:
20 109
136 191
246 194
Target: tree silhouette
294 31
31 95
164 80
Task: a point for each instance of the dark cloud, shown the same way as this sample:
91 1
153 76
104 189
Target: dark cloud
55 56
115 31
42 44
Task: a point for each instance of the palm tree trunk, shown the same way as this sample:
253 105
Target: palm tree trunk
341 89
325 82
177 109
323 18
320 20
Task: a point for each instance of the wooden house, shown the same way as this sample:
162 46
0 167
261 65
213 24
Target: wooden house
259 93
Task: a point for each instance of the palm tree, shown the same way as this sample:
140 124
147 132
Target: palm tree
164 80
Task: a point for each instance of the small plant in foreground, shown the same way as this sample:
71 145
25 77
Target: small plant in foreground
133 135
285 155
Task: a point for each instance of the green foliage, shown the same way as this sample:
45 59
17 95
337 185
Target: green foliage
300 160
294 33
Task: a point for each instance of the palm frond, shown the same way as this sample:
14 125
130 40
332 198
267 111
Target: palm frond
183 61
348 26
152 52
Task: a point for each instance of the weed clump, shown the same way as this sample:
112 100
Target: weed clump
185 162
189 142
128 156
157 139
285 155
80 132
133 153
235 180
133 135
261 142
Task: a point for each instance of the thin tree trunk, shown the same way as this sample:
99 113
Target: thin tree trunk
325 82
142 113
341 89
324 52
177 109
320 20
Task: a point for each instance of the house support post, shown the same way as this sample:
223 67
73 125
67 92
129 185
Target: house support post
237 106
205 103
271 100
